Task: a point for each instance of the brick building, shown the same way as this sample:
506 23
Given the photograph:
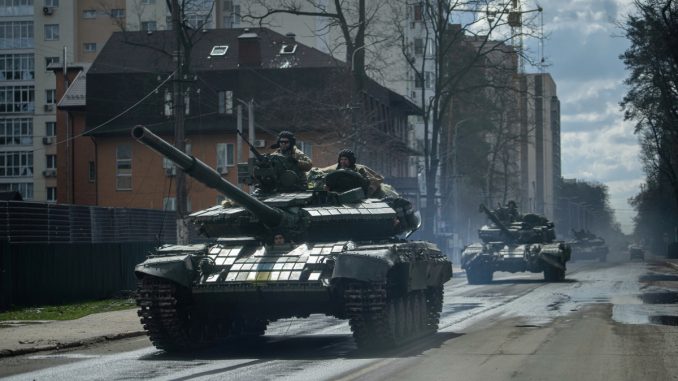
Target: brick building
292 86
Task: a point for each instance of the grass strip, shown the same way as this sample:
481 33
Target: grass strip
67 311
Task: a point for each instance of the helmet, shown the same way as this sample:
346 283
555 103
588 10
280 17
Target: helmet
347 153
285 135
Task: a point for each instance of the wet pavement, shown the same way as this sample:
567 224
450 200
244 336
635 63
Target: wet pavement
655 301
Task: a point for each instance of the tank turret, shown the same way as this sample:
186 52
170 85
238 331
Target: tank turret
288 251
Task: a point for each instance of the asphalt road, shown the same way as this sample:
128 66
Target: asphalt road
607 321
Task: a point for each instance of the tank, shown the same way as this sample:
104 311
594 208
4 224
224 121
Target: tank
586 245
515 243
345 256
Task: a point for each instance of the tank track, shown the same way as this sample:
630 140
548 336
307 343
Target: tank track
380 321
166 315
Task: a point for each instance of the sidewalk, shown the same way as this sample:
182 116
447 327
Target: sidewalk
20 337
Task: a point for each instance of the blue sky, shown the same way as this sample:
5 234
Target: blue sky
582 48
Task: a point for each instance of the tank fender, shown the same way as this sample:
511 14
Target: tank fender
367 266
177 268
470 254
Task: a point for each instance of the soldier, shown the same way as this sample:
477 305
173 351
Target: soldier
347 160
286 146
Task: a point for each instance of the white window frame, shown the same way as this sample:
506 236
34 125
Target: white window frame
50 161
90 47
51 194
225 157
123 175
50 96
51 32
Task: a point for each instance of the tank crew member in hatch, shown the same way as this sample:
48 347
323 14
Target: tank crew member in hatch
286 146
347 160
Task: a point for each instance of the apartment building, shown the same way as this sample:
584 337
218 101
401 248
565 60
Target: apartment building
540 150
34 35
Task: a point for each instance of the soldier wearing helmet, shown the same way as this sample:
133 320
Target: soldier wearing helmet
286 146
347 160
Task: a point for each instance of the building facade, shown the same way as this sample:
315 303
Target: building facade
34 36
293 87
540 149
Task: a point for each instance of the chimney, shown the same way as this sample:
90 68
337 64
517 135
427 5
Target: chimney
249 51
291 37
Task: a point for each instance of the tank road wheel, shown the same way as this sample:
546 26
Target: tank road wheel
380 322
553 274
168 317
434 306
479 274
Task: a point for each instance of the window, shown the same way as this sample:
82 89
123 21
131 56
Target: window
225 102
418 80
52 3
225 157
50 128
16 164
429 80
89 14
16 8
219 50
418 12
16 35
123 170
117 13
169 104
50 161
17 99
288 48
305 147
90 47
51 60
51 194
231 14
17 67
170 204
418 46
92 171
26 189
16 131
51 32
149 26
50 96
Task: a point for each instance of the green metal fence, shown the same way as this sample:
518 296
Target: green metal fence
43 274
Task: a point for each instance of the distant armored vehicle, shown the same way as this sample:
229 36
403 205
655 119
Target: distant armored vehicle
636 253
515 243
587 245
291 252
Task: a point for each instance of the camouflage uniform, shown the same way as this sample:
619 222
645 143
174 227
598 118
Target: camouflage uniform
303 162
373 178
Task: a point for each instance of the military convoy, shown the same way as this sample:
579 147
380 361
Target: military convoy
587 245
345 255
515 243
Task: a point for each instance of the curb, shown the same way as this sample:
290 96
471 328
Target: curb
71 344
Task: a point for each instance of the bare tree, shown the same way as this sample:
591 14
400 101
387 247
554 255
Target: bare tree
458 38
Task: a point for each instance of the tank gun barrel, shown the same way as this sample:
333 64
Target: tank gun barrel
208 176
496 221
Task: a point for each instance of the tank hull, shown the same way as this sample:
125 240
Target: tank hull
235 289
589 251
480 261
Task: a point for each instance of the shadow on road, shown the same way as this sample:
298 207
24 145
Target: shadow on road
300 347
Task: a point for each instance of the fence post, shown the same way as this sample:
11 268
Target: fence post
6 290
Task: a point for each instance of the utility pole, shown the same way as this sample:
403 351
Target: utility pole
179 138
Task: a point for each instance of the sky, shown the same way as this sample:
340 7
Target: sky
582 48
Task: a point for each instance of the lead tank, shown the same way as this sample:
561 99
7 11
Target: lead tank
347 256
515 243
